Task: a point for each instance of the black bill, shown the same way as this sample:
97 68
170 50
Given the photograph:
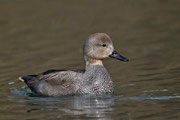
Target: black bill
116 55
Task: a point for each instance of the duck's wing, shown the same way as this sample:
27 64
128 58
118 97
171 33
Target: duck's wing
53 82
47 75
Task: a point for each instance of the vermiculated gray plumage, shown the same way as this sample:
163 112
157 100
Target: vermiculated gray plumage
94 80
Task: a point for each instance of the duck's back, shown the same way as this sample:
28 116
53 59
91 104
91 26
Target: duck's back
53 82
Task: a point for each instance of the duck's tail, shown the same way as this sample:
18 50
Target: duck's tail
27 78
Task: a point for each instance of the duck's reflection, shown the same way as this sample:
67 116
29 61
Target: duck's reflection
96 107
99 107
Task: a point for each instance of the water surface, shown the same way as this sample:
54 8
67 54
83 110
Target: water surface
40 35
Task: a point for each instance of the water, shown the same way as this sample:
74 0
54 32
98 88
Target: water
40 35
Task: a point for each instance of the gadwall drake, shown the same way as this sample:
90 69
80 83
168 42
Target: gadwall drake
94 79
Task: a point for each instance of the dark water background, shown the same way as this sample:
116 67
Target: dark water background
36 35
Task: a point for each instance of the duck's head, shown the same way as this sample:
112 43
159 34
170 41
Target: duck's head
99 46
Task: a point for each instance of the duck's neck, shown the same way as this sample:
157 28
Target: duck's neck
93 62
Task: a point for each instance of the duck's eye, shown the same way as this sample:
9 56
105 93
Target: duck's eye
104 45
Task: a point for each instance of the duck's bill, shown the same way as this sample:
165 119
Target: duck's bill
116 55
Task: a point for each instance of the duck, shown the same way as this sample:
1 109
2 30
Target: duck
92 80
